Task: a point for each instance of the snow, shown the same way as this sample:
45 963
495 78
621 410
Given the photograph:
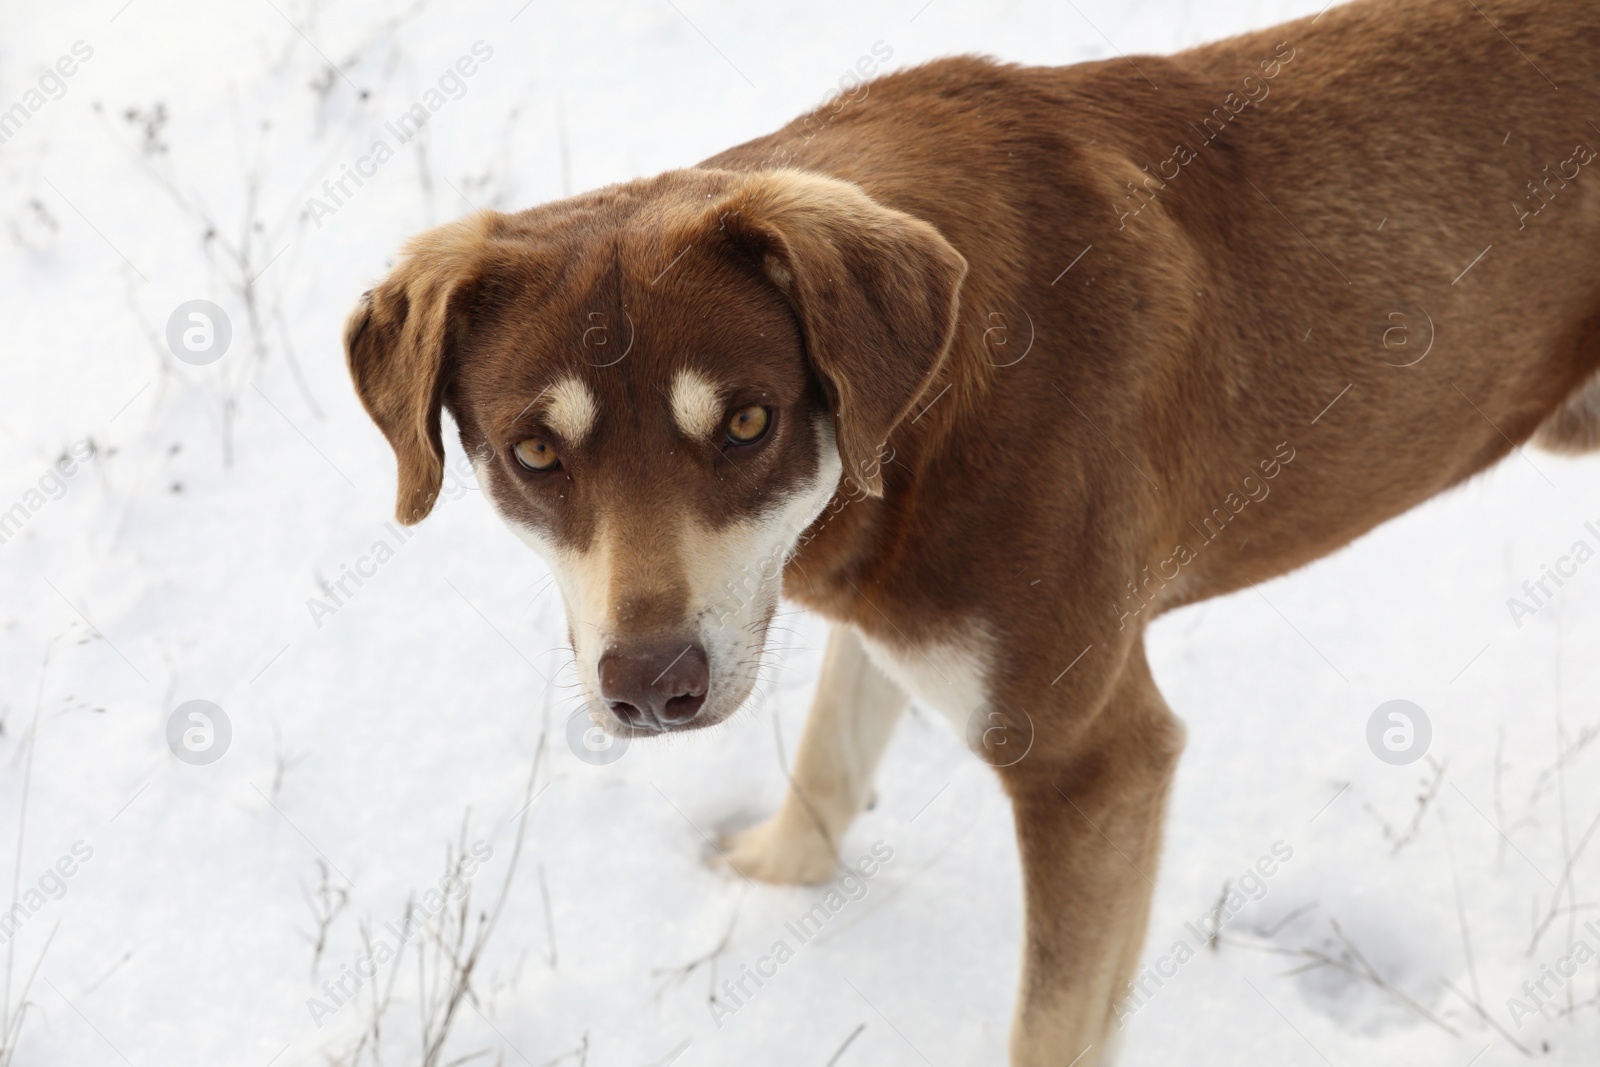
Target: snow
177 563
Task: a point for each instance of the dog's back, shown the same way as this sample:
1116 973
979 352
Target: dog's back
1299 214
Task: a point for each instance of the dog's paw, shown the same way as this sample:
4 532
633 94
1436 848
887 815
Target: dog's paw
777 851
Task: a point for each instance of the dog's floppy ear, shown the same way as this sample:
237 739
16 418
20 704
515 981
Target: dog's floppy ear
875 291
398 345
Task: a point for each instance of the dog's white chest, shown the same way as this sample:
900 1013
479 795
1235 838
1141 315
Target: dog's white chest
951 677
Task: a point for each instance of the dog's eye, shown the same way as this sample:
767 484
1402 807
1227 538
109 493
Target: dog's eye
537 455
748 424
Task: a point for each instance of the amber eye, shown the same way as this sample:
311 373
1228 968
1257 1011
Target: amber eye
537 455
748 424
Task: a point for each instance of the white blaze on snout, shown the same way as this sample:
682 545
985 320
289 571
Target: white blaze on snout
735 574
591 590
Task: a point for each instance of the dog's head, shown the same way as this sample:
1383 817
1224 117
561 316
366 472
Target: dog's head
662 385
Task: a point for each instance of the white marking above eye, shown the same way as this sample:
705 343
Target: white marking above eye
696 405
571 410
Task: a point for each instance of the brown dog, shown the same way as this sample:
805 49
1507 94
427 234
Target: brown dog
984 362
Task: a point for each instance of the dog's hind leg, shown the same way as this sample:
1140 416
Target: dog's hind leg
1575 425
851 718
1088 818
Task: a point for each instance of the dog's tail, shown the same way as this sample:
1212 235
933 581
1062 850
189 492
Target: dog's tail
1575 425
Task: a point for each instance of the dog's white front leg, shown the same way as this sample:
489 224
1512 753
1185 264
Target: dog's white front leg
851 718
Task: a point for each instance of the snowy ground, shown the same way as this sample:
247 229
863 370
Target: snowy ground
177 564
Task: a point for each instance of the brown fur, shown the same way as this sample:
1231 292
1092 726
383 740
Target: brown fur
1226 339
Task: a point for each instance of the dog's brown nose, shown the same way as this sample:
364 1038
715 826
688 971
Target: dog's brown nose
655 685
